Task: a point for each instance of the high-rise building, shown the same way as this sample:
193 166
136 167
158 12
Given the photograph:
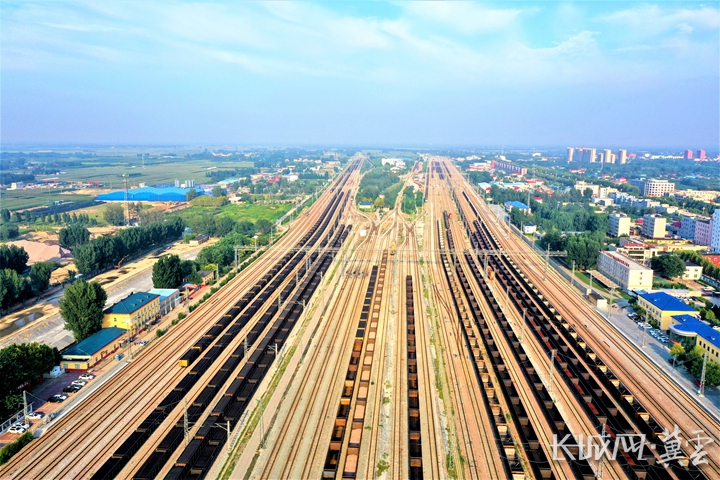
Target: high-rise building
189 183
177 183
623 156
607 155
715 237
688 155
592 155
570 154
703 231
601 158
701 154
619 225
654 226
687 227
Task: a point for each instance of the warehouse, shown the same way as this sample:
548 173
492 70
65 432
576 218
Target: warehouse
662 307
92 350
147 194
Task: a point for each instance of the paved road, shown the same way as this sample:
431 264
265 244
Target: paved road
42 323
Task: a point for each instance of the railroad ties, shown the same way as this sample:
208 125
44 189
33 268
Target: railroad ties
353 401
198 456
212 343
618 413
414 426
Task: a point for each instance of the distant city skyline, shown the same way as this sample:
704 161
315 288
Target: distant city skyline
428 74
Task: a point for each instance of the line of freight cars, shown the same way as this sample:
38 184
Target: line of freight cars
200 404
197 458
546 325
499 413
413 398
285 265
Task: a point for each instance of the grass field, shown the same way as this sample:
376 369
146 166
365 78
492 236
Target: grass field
19 199
238 213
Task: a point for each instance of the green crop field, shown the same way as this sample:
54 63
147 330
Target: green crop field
110 171
20 199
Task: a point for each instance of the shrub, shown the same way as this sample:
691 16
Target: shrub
14 447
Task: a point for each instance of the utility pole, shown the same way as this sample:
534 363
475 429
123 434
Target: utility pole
600 460
572 275
25 404
186 425
701 390
644 338
245 344
522 326
552 374
547 262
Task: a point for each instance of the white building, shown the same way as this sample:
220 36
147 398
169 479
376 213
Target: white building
692 271
396 162
619 225
657 188
16 186
715 238
654 226
627 273
582 186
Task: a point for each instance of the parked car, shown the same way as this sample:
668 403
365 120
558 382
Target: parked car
35 415
87 376
17 429
697 383
58 398
82 383
72 388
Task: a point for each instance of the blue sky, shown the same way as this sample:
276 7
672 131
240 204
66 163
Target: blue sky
408 73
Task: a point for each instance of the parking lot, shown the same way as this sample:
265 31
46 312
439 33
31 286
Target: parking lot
659 352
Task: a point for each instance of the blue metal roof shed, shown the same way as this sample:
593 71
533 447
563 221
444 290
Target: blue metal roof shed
148 194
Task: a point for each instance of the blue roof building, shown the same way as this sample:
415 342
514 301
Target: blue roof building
661 307
147 194
515 204
691 332
169 298
90 351
133 312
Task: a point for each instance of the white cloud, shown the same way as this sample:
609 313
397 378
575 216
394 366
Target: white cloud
653 20
466 17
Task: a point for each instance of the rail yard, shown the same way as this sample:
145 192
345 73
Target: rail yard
360 345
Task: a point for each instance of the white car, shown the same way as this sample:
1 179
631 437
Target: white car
17 429
87 376
82 383
35 415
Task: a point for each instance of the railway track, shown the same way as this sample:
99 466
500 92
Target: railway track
300 430
612 415
75 443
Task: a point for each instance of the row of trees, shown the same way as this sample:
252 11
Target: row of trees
583 249
74 236
15 288
105 252
9 231
693 361
57 218
13 257
223 252
20 364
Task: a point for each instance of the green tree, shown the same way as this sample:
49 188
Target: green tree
13 287
13 257
81 307
5 215
9 231
419 199
668 266
192 193
153 215
74 236
40 274
187 267
712 374
86 258
218 192
583 250
114 214
263 226
167 272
